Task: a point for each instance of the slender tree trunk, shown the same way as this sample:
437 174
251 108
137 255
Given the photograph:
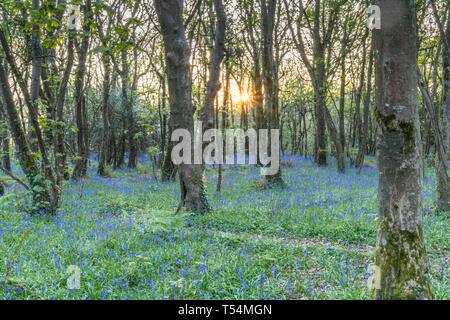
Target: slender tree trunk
358 98
106 117
31 98
60 150
258 95
363 144
319 89
162 120
80 169
401 253
41 198
225 121
268 9
342 90
120 154
213 84
168 170
128 107
337 143
4 139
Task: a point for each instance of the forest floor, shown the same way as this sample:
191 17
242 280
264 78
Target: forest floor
312 240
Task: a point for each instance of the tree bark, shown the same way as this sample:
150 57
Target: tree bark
60 150
270 78
363 144
127 101
4 140
358 98
443 182
177 52
105 115
31 98
317 72
319 89
342 89
80 169
213 85
400 252
41 199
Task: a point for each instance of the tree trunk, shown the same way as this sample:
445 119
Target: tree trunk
213 85
337 143
342 90
128 107
443 182
120 154
60 150
168 170
106 116
270 78
41 199
363 144
319 89
31 99
401 253
80 169
359 92
177 52
4 140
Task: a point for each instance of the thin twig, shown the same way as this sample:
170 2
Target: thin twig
15 178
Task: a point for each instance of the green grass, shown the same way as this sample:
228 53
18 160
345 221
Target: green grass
312 240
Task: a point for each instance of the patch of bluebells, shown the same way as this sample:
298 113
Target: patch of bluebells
123 257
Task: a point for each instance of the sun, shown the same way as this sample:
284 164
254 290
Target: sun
244 97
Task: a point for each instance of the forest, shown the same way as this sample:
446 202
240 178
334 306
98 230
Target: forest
224 150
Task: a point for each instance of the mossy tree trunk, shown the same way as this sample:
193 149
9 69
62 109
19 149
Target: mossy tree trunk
400 253
45 189
41 198
177 52
443 183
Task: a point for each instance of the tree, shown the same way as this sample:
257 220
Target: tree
126 41
319 70
363 143
439 118
268 10
177 53
443 180
80 100
400 252
106 112
213 85
45 187
4 141
40 192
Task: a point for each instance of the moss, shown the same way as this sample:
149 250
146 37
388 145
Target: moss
409 134
407 129
400 264
386 120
